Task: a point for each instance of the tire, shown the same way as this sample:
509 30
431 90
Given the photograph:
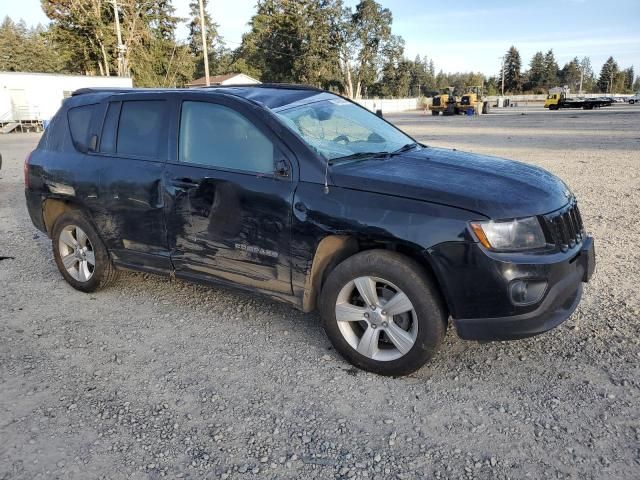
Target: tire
435 112
74 254
382 342
631 102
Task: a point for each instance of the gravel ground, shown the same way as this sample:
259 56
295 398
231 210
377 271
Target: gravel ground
153 378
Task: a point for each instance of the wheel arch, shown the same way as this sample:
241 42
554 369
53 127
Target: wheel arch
52 208
334 249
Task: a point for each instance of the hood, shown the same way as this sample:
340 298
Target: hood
495 187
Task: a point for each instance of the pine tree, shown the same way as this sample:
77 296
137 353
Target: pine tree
536 74
607 75
512 75
550 70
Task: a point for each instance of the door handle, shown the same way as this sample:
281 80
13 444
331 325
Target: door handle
184 183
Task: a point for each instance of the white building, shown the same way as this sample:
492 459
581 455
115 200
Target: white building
228 79
37 96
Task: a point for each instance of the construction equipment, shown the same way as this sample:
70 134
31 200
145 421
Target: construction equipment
557 99
445 102
473 100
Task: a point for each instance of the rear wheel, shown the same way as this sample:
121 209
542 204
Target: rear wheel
382 313
436 113
631 102
80 254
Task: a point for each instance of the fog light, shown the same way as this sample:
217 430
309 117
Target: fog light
526 292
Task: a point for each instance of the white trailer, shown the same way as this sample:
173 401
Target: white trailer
28 99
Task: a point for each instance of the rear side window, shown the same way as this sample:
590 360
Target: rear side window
79 120
110 129
142 131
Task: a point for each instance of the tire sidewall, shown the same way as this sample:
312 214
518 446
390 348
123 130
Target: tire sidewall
408 277
99 250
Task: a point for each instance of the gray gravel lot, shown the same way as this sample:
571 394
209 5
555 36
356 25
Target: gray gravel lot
153 378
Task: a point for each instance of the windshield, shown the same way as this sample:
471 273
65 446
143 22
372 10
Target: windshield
336 128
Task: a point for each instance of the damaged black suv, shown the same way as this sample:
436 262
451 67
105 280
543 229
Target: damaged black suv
309 198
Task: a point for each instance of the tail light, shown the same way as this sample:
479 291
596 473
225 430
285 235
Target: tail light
26 170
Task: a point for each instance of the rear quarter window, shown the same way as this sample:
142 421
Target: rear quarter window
79 119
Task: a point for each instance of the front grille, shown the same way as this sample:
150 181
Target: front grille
565 227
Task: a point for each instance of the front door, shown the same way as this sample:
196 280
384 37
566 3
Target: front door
231 190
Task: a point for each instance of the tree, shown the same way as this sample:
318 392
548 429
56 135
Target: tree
24 49
512 75
629 76
195 37
571 74
537 73
366 35
588 77
550 70
607 75
294 41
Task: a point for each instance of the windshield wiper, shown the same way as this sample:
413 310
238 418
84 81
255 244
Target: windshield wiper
359 156
406 148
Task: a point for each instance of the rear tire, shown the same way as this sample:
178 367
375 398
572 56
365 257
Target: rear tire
397 341
80 254
436 113
631 102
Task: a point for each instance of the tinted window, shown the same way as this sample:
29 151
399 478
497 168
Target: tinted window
218 136
142 131
79 120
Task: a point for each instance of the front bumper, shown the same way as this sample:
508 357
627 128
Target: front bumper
560 300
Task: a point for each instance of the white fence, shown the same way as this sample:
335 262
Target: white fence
390 105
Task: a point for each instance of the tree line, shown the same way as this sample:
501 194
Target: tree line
544 73
319 42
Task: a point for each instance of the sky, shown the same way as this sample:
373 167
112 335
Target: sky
471 36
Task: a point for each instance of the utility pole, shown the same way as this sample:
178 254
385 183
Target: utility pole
503 76
204 45
121 47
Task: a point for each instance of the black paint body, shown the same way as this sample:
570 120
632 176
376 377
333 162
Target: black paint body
262 232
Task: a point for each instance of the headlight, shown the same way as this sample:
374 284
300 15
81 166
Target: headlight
519 234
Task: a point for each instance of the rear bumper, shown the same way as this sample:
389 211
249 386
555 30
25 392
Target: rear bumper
560 300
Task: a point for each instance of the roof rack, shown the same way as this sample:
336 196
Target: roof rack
283 86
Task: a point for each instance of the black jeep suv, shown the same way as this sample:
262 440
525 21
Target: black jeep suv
307 197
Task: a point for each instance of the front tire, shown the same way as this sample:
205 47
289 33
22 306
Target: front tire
631 102
79 253
382 313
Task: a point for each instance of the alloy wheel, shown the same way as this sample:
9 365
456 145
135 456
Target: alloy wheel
376 318
76 253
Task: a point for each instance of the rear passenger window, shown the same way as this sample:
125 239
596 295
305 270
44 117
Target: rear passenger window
142 131
79 120
218 136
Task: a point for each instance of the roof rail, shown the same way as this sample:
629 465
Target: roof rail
88 90
284 86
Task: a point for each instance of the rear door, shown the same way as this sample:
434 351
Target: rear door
231 189
131 151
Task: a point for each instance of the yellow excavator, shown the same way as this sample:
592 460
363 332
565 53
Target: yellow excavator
445 102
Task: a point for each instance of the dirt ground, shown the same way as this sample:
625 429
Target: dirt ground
152 378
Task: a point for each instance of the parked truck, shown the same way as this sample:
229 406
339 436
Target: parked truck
558 99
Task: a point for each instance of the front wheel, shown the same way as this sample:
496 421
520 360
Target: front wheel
631 102
80 254
382 313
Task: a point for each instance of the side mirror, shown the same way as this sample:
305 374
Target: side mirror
379 113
